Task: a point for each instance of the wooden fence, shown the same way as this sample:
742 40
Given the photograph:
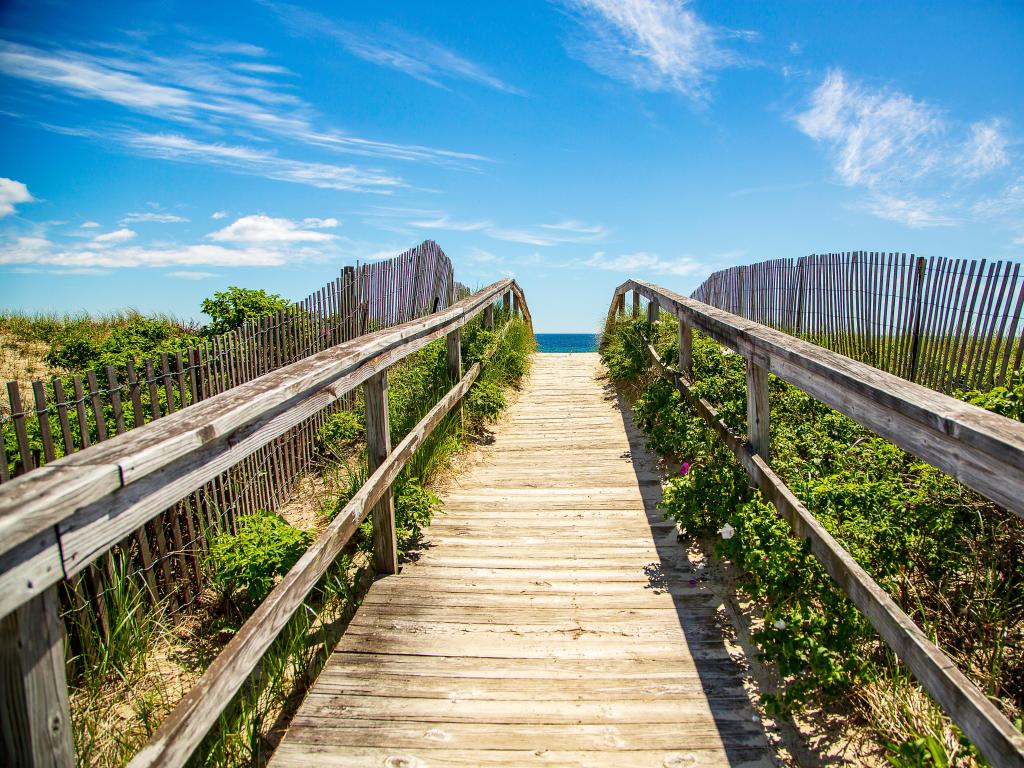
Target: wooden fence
949 324
57 521
69 415
982 450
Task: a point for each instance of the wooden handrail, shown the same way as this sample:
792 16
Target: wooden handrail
54 521
57 519
804 365
981 449
186 726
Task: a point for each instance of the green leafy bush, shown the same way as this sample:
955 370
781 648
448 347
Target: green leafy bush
230 309
414 506
342 430
264 548
949 558
137 338
486 400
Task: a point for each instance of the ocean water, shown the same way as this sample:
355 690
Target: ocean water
567 342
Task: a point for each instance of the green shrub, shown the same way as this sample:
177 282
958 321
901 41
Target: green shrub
230 309
624 348
948 557
414 506
264 548
138 337
485 400
342 430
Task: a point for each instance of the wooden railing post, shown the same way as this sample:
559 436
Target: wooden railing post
636 303
35 718
918 298
378 446
757 409
489 317
686 349
455 355
653 311
506 302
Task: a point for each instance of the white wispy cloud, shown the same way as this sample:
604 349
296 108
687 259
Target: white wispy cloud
444 222
185 274
219 215
900 150
260 228
122 235
547 235
409 220
391 47
43 252
986 148
90 225
656 45
155 218
913 211
11 194
317 223
206 93
259 162
643 262
480 256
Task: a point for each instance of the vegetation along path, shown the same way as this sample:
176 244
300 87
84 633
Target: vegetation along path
545 621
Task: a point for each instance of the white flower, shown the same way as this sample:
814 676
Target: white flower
780 624
727 531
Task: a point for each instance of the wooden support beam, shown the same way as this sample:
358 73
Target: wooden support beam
506 302
965 703
653 311
636 303
378 446
489 317
455 355
184 729
35 719
757 409
686 349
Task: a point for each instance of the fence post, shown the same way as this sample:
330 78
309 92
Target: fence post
653 311
636 303
799 304
378 446
455 366
489 317
918 298
455 356
506 302
686 349
34 710
757 408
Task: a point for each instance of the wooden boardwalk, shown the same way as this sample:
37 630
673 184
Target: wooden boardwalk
549 620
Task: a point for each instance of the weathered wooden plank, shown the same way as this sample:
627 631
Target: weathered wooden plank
966 704
34 710
180 445
184 729
544 608
981 449
378 446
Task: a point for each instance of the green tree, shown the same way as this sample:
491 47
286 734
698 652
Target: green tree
229 309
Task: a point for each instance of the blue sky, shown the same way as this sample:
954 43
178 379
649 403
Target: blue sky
153 153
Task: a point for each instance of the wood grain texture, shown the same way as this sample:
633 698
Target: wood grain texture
967 705
548 620
983 450
35 722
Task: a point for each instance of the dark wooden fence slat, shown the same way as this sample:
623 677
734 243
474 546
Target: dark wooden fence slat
43 417
26 464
